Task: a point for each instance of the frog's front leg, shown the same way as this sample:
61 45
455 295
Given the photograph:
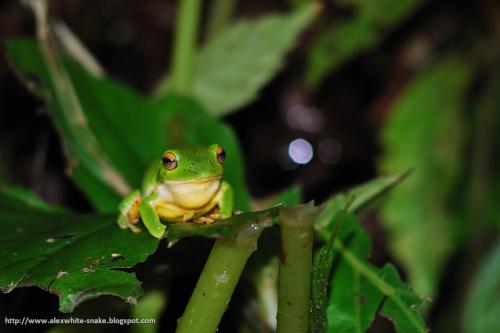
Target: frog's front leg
129 211
226 202
150 216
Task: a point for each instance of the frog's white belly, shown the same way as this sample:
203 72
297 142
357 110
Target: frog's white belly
191 194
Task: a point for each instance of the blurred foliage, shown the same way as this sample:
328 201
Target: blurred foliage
233 66
482 311
146 126
149 307
47 77
480 209
425 132
344 40
22 198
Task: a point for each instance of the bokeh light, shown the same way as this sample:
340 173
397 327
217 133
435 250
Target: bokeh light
300 151
304 118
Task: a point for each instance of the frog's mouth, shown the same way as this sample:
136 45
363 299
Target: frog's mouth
193 193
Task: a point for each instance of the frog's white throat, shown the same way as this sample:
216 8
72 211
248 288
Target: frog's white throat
191 193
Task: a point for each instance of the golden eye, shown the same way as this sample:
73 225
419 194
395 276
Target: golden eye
169 161
221 155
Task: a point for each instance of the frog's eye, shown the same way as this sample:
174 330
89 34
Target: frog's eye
169 161
221 155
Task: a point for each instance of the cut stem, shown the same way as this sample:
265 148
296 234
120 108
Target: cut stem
217 283
295 268
183 65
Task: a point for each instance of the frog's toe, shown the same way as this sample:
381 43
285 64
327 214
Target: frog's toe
125 223
204 219
215 216
187 216
134 229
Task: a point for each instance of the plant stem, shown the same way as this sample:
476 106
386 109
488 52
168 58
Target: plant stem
216 283
295 268
220 14
185 45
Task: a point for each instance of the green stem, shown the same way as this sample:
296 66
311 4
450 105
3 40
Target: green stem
216 284
185 45
295 268
220 14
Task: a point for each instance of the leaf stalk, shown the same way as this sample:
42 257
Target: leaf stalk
217 282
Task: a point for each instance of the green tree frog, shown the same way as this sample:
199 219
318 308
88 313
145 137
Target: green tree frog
182 185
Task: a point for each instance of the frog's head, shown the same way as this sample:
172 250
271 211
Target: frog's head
192 174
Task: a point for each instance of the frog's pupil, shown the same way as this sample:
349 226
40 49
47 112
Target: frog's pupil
169 163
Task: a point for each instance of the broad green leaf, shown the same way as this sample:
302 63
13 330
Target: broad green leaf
76 256
234 65
130 128
230 227
359 290
354 300
73 256
346 39
425 133
482 310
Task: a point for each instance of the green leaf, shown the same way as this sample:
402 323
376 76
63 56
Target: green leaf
73 256
425 133
76 256
229 227
482 308
361 196
24 198
289 196
129 128
336 46
360 290
378 15
479 209
348 38
241 59
45 74
323 263
353 301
